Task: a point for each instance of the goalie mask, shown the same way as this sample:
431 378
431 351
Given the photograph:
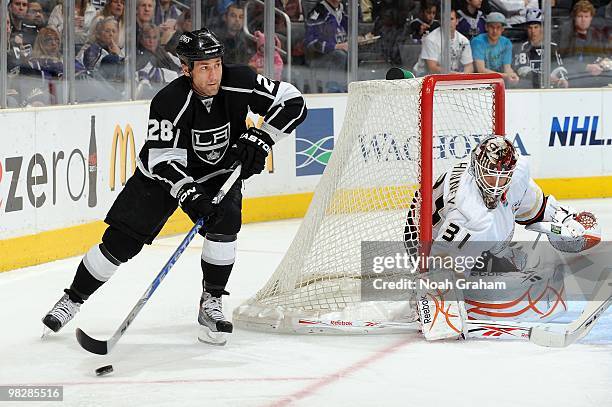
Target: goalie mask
493 162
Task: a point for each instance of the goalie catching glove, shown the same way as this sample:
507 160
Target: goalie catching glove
251 150
570 231
197 203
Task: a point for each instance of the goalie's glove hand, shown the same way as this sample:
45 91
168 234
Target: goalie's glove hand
565 218
251 150
197 203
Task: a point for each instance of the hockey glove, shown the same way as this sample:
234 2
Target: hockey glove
251 150
196 203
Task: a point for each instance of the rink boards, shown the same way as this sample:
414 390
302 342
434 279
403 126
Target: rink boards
57 181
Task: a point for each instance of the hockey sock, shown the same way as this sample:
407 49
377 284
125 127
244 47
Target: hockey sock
95 269
218 256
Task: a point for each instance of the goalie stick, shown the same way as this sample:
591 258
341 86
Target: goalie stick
572 332
104 347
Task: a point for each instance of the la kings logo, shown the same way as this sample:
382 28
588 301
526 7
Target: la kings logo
210 145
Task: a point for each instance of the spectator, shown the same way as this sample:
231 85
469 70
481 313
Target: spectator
37 79
210 15
145 10
471 19
23 34
404 10
103 44
366 10
583 48
460 51
492 51
183 24
391 35
155 66
238 49
528 60
256 17
518 16
293 8
326 43
12 54
115 9
149 51
35 15
165 10
46 55
48 5
605 12
257 61
84 15
426 22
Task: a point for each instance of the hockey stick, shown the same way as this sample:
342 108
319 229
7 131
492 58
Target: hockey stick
104 347
547 334
572 332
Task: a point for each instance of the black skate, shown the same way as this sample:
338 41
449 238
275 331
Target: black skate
213 325
62 312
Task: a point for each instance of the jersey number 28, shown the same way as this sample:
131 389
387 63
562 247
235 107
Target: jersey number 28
160 130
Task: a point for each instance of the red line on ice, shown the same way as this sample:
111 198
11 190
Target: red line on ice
340 374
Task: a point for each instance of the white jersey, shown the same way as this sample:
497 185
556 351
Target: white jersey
431 49
460 215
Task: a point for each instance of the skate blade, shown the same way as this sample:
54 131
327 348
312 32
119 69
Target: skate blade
46 332
212 338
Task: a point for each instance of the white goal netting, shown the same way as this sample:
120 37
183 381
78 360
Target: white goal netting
365 195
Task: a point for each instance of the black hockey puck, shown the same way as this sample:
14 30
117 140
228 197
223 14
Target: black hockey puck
104 370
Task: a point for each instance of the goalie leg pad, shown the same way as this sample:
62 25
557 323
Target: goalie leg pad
440 304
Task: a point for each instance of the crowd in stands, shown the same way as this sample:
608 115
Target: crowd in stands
36 58
502 36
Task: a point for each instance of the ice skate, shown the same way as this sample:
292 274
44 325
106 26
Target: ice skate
62 312
213 325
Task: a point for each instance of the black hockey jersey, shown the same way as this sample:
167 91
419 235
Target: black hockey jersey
188 136
528 63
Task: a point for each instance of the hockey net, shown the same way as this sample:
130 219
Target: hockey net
397 138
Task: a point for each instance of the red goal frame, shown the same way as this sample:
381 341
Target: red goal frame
427 107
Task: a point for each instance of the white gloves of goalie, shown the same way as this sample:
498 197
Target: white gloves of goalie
569 231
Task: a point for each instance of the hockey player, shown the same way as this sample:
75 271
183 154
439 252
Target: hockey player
477 206
197 130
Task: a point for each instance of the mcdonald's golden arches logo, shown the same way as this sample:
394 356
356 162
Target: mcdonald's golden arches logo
123 139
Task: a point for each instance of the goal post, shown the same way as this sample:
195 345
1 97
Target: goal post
428 91
396 138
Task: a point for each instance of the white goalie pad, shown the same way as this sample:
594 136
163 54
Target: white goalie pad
440 304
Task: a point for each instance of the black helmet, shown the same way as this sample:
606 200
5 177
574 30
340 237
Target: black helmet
198 46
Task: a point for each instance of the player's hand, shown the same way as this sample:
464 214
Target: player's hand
594 69
512 77
196 203
251 150
342 46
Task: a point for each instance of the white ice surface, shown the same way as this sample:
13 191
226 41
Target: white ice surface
159 361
